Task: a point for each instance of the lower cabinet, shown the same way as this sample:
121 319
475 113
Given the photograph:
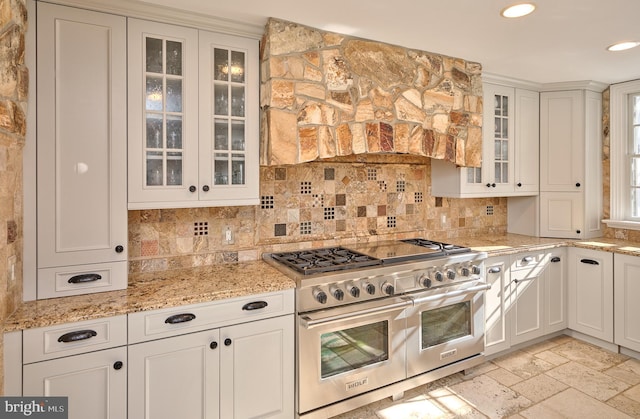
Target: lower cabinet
240 371
496 304
626 283
590 280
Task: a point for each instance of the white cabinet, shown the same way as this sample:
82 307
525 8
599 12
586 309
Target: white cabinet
81 150
555 277
510 149
193 117
627 294
242 369
590 291
496 304
64 361
527 296
570 164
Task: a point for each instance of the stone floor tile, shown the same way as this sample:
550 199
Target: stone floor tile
589 355
539 387
587 380
504 377
628 371
490 397
523 364
545 345
633 393
552 358
626 405
572 404
561 339
483 368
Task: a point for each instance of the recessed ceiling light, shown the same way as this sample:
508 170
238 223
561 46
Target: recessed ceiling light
518 10
621 46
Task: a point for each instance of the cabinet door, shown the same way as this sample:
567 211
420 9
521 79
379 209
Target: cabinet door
175 377
499 134
627 294
163 114
527 297
81 137
555 307
590 293
561 214
257 369
96 383
562 141
496 304
228 114
527 148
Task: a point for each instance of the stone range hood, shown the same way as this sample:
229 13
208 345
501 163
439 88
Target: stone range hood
327 95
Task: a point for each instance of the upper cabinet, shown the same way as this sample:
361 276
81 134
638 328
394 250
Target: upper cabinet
193 117
510 155
81 152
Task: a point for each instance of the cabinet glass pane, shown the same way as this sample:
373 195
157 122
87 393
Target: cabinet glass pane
153 49
237 169
497 104
498 127
154 130
221 99
221 169
221 134
155 168
505 128
221 64
505 105
237 67
174 95
237 135
174 168
237 101
154 93
498 172
174 58
174 132
505 150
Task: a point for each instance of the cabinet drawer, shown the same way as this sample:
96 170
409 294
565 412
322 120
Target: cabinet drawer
73 280
174 321
527 261
74 338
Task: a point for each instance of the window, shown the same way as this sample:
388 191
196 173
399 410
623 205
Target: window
625 156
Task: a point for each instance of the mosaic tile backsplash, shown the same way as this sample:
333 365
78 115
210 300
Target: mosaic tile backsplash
312 205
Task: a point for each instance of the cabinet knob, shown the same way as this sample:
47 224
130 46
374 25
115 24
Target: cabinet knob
119 248
577 184
213 345
491 185
578 231
205 188
519 184
118 365
227 342
192 189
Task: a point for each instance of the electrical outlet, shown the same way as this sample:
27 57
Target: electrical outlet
228 236
11 266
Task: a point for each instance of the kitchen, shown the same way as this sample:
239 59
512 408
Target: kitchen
322 210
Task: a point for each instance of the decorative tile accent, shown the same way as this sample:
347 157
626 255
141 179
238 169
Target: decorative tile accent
341 200
318 201
266 202
201 228
372 173
409 209
362 211
391 222
12 231
305 188
382 185
341 225
489 209
400 185
149 248
280 173
280 230
438 202
329 173
417 197
305 227
329 213
382 210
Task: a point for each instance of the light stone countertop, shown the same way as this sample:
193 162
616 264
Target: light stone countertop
156 290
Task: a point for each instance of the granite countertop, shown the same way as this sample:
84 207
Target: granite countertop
154 290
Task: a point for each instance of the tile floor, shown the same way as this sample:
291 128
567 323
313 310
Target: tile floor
558 378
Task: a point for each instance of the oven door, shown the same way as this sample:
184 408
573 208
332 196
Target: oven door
444 326
349 350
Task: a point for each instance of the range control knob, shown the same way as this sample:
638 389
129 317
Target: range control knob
465 271
337 293
320 296
354 291
425 281
438 276
475 269
451 274
387 288
370 288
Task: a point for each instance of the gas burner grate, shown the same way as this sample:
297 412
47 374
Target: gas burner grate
324 260
447 248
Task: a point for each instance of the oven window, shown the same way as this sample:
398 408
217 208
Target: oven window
349 349
443 324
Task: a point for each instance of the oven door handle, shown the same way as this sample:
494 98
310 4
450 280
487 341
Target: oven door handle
455 293
310 323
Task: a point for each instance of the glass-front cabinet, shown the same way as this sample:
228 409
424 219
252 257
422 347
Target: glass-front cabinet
193 117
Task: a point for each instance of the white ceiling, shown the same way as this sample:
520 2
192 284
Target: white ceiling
563 40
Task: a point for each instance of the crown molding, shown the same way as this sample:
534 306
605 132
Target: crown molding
594 86
510 81
159 13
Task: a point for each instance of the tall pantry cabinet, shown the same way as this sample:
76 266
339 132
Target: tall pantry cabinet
571 163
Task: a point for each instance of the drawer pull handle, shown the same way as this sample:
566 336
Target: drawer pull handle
77 335
180 318
590 261
524 279
255 305
527 259
495 270
81 279
555 259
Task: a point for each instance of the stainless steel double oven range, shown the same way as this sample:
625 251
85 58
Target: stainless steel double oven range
375 320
